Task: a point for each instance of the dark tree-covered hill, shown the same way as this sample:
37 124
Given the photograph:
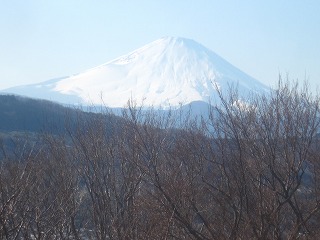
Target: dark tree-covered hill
21 114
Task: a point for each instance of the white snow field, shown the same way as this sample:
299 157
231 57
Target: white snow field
168 72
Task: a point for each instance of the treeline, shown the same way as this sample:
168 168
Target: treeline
249 171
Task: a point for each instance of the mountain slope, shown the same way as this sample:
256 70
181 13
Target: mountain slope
167 72
21 114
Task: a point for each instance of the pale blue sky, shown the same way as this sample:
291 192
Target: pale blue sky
40 40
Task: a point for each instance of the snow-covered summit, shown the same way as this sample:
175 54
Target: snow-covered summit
167 72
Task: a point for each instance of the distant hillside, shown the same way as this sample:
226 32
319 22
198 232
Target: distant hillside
21 114
26 114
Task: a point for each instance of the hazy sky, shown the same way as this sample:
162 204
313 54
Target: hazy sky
40 40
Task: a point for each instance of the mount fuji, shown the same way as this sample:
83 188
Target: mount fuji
168 72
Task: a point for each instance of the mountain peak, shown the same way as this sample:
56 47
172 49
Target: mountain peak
177 41
165 45
167 72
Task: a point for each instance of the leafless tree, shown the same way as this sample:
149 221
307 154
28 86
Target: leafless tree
248 171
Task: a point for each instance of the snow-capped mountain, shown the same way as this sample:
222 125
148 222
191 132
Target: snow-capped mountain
167 72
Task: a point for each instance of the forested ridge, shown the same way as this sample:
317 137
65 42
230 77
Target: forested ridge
251 170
